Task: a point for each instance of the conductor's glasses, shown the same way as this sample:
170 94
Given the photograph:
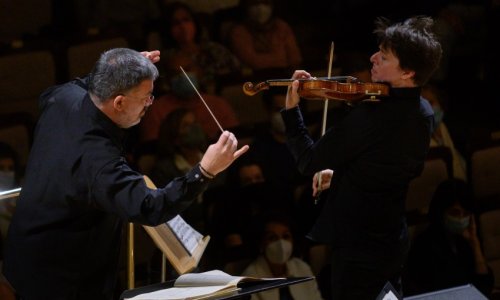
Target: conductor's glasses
149 99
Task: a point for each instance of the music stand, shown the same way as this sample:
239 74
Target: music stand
388 293
247 288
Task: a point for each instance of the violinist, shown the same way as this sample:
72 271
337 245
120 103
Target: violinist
370 157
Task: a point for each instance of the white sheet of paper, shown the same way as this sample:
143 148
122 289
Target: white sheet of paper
178 293
188 236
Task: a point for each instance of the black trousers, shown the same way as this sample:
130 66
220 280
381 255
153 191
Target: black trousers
362 274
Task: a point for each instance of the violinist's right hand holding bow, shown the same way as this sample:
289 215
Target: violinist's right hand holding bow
325 176
292 96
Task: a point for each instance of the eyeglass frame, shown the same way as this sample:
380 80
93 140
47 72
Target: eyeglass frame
150 98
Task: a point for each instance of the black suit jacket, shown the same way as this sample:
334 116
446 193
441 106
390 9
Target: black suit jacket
64 239
375 150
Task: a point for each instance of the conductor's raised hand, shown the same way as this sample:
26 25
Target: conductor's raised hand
153 56
292 96
222 154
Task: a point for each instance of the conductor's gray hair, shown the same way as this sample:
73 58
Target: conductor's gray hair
119 70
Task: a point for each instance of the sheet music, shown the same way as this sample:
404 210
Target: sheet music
186 234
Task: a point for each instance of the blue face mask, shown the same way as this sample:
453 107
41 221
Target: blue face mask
182 88
456 225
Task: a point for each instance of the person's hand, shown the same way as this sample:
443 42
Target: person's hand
292 97
326 178
153 56
222 154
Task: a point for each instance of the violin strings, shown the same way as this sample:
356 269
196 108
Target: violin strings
199 95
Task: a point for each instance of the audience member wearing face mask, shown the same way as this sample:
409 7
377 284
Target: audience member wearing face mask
275 259
270 146
182 95
182 142
448 253
441 136
182 32
246 193
262 40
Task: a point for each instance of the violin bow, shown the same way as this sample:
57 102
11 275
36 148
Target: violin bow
325 112
325 107
202 100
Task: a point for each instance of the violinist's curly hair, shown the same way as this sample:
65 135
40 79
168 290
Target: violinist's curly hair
413 42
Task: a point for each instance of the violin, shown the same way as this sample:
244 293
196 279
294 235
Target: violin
347 88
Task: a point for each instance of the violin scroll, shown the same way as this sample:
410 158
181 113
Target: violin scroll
250 89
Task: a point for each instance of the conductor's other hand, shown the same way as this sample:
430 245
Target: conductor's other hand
222 154
292 96
153 56
326 178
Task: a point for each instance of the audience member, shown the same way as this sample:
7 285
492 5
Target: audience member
263 40
181 145
441 135
275 259
237 201
448 253
182 94
208 7
461 28
249 174
130 19
270 147
246 194
9 167
181 31
8 180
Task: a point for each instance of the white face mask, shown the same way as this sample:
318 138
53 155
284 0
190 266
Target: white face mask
279 252
260 13
7 180
456 225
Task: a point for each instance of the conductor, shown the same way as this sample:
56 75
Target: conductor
64 239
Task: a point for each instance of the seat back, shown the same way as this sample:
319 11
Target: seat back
485 171
82 57
23 76
16 129
489 225
18 18
437 168
154 41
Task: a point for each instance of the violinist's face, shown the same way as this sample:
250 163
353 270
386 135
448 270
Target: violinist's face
386 69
